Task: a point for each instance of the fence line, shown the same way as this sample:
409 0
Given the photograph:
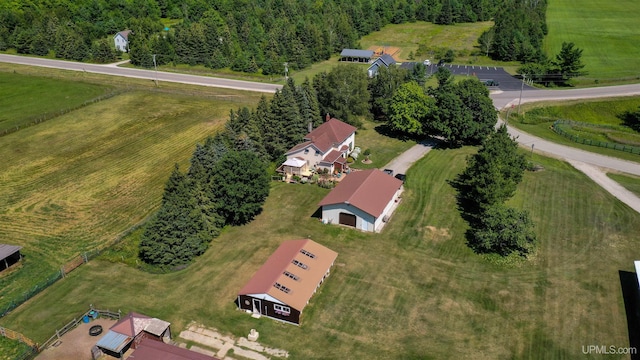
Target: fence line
35 348
604 144
65 269
73 323
48 116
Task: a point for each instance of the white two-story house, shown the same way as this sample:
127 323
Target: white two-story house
325 147
121 40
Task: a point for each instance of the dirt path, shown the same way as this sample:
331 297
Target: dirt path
599 176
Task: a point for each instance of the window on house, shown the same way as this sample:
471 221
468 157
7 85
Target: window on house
308 253
285 310
317 152
282 288
294 277
306 151
300 264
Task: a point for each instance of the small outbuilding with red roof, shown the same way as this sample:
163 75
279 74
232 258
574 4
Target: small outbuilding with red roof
283 286
364 200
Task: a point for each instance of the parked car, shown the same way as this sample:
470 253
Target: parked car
388 171
401 177
441 62
427 62
489 82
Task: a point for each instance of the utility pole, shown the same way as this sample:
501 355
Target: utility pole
155 66
524 77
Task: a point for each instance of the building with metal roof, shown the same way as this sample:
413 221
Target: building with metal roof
157 350
354 55
9 255
282 287
363 200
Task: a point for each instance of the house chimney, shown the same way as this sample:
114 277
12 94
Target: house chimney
310 126
327 118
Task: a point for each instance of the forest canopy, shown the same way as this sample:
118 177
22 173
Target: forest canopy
245 35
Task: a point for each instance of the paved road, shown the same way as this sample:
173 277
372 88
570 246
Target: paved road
504 99
142 74
500 98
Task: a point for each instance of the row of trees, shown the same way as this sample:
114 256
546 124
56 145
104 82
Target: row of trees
223 186
490 179
462 113
246 35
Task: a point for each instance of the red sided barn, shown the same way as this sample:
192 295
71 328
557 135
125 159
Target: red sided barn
282 287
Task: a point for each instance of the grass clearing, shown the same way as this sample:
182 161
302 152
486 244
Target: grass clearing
538 117
383 148
76 182
27 99
605 30
11 348
630 182
413 291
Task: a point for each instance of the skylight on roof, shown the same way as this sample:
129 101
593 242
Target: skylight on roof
300 264
282 288
293 276
307 253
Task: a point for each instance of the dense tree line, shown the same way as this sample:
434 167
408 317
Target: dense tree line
245 35
489 180
519 29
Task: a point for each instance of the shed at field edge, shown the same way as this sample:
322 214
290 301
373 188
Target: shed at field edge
9 255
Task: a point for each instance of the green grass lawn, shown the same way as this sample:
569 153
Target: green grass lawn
413 291
383 148
9 349
630 182
607 31
74 183
538 118
25 100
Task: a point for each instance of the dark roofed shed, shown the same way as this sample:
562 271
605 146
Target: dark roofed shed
9 255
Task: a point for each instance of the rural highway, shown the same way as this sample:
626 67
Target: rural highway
501 99
142 74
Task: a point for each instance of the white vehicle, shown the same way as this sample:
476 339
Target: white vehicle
427 62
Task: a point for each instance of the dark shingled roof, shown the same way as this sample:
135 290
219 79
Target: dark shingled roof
356 53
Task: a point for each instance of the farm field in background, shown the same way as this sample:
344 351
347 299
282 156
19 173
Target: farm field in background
25 99
413 291
537 119
74 183
607 31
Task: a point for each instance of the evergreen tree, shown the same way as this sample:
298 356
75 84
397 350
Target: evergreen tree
240 185
180 230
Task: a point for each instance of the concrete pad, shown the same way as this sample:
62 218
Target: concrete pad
202 351
249 354
223 352
244 342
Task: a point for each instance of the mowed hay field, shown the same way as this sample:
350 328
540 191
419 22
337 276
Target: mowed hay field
413 291
74 183
607 31
25 99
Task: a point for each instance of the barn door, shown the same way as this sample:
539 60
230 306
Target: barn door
347 219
